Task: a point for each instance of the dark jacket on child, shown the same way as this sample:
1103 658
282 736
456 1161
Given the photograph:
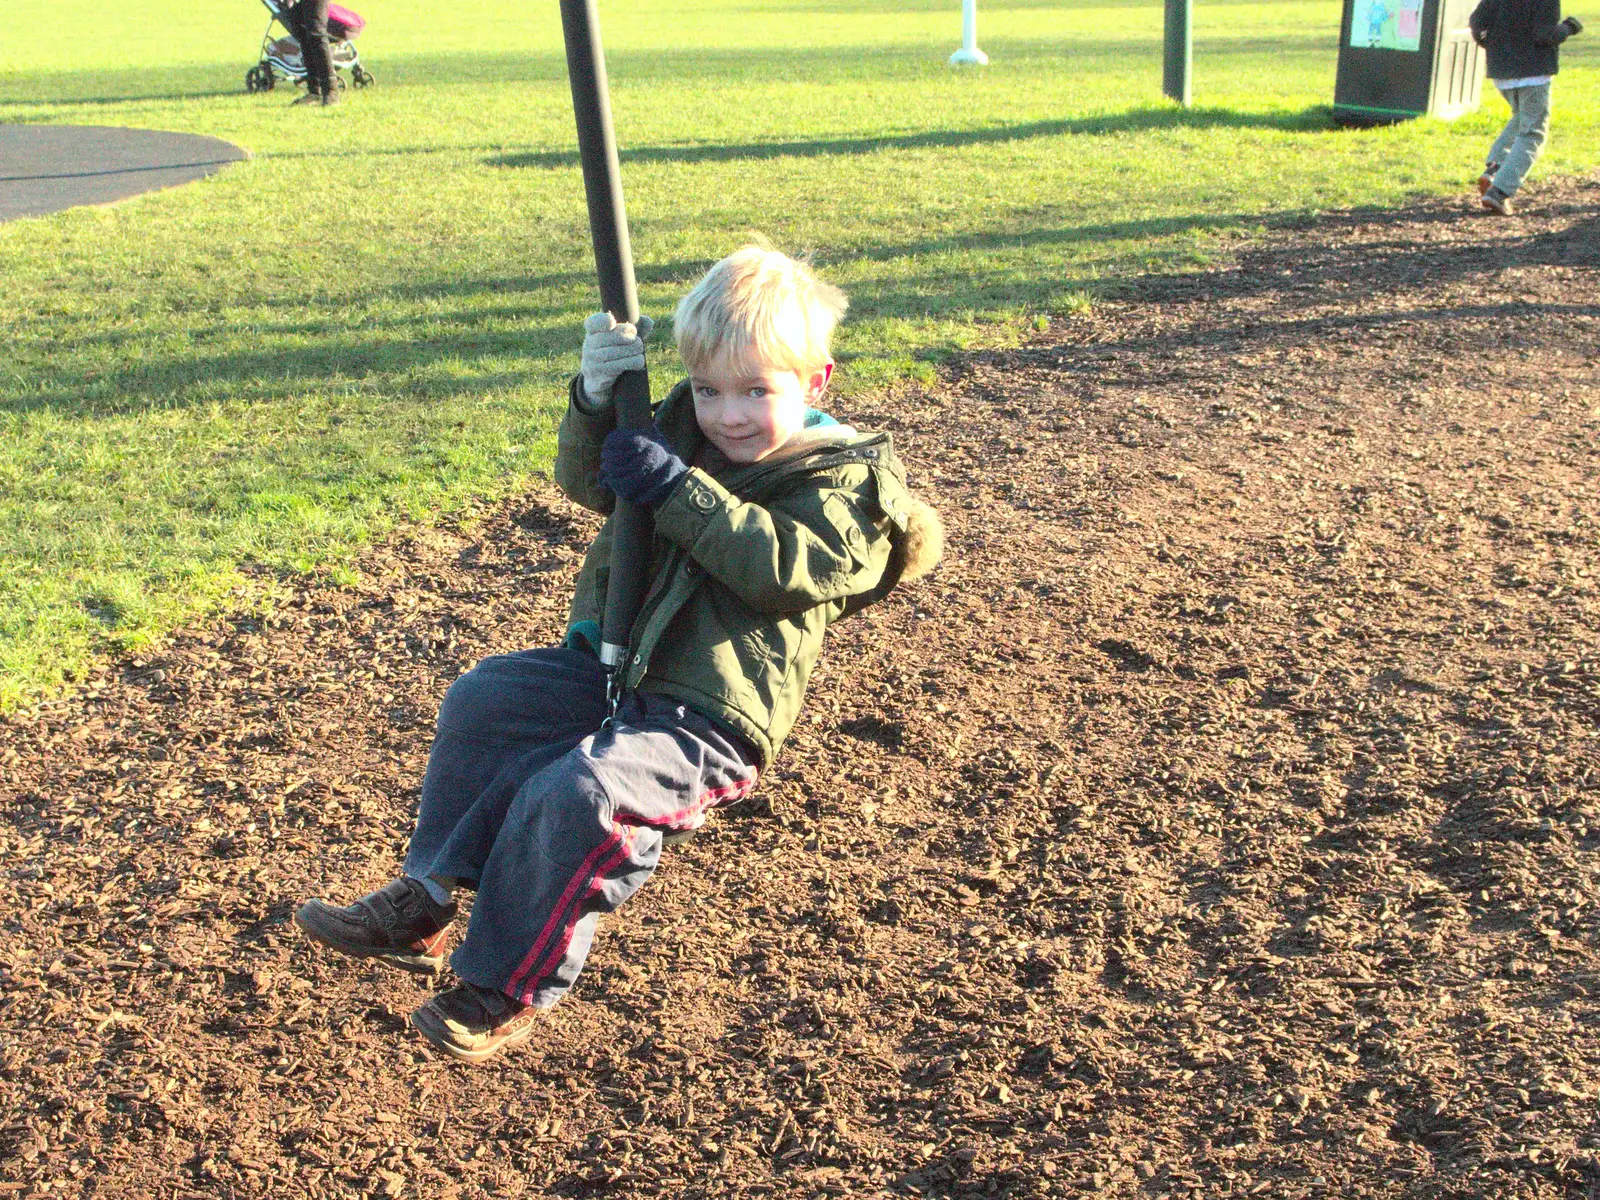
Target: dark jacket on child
751 562
1520 36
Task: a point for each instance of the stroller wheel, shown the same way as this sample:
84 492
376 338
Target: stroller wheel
259 78
361 77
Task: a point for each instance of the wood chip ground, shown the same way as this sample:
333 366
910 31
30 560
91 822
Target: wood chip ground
1223 819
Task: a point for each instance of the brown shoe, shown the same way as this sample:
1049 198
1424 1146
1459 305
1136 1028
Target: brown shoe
473 1023
1486 180
1497 202
399 923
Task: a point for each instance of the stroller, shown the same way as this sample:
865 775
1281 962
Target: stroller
280 56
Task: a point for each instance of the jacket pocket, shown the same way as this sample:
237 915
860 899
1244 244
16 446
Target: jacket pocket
855 529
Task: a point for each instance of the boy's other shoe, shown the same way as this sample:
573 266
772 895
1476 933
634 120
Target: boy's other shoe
1486 180
1497 202
473 1023
399 923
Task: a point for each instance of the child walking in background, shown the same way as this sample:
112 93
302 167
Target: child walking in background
1521 38
772 521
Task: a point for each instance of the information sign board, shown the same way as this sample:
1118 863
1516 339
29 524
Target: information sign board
1386 25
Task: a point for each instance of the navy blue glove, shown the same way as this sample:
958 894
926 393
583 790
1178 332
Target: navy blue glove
639 466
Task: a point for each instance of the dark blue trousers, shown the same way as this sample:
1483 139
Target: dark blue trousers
553 816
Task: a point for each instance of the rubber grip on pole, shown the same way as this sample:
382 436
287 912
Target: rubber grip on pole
632 526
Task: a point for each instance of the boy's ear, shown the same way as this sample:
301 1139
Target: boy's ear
818 383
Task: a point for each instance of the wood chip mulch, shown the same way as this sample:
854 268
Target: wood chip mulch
1223 819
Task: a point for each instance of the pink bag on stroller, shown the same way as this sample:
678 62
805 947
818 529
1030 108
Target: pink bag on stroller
344 24
280 56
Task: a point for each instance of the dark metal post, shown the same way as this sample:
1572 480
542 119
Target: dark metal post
1177 50
632 527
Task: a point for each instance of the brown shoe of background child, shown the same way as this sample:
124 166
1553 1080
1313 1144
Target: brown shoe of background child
473 1023
399 923
1497 202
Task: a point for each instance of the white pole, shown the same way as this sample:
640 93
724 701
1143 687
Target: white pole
969 54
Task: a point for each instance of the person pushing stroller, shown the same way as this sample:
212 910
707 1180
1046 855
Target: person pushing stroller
772 521
308 21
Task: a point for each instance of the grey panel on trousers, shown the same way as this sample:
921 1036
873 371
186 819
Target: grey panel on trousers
46 168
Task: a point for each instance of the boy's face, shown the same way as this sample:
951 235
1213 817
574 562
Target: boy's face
750 411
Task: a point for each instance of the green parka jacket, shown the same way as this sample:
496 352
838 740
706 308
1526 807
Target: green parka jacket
750 567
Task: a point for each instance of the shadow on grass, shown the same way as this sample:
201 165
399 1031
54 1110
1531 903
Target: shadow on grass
518 305
1137 120
1109 231
71 89
399 349
132 94
118 85
1117 60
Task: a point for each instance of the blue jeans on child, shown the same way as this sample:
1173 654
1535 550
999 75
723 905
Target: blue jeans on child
553 818
1523 137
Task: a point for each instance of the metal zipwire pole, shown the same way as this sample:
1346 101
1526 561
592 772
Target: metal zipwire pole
632 528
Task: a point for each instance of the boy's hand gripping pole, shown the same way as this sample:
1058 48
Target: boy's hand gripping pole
632 528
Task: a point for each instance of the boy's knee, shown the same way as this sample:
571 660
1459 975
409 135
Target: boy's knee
574 815
523 695
470 701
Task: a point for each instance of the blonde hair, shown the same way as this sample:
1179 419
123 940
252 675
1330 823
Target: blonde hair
759 307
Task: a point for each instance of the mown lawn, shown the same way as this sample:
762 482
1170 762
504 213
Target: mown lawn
371 320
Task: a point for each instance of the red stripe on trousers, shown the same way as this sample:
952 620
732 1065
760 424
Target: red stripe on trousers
535 957
580 878
732 791
558 950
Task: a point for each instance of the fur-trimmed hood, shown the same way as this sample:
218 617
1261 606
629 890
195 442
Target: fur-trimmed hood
919 547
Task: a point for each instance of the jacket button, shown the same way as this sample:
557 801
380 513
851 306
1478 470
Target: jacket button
637 659
705 500
872 454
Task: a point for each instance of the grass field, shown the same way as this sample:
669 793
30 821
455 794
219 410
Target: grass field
371 320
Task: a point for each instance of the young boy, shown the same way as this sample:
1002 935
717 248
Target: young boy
1521 38
771 522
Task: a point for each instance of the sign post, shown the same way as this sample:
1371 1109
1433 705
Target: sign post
969 54
1178 51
